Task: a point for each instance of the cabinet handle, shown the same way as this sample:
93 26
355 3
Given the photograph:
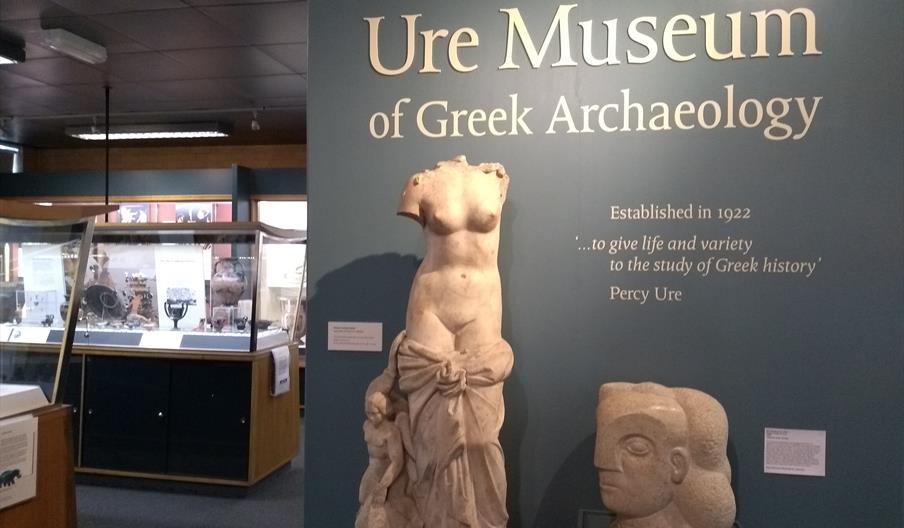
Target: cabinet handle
90 412
160 414
244 420
75 410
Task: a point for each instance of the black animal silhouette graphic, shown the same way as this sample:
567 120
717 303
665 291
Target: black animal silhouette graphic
8 478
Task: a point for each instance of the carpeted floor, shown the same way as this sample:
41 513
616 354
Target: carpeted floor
277 502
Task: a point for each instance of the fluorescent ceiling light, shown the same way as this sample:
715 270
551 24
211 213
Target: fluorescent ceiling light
156 131
75 46
11 54
9 148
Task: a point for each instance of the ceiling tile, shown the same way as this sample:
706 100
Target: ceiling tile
16 107
276 103
243 61
200 89
170 29
230 2
95 7
148 66
294 56
60 70
271 87
8 79
124 97
24 9
281 23
62 101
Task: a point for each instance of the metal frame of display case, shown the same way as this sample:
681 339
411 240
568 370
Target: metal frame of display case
35 218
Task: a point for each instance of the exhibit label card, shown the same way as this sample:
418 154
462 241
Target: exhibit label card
18 460
794 452
354 336
281 362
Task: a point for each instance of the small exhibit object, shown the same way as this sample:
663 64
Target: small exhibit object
355 337
794 452
281 379
17 399
18 459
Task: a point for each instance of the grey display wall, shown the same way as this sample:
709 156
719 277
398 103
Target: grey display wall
789 313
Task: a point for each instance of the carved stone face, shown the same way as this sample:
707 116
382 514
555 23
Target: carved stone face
376 408
640 452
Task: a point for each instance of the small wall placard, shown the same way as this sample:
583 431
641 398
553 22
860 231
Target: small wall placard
355 336
794 452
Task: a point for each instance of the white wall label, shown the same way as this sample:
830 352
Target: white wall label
355 336
794 452
18 460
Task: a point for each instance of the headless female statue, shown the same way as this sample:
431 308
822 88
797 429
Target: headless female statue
450 362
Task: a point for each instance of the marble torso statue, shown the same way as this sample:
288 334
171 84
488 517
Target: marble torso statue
448 366
661 457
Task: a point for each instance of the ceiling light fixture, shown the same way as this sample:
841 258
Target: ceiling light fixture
75 46
11 54
153 131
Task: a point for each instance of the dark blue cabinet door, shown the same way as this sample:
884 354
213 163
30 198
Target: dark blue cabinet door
209 423
126 411
72 395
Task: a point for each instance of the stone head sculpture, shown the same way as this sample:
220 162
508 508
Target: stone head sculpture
661 457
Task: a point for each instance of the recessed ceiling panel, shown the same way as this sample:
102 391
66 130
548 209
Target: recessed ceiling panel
294 56
227 62
8 79
231 2
58 99
59 70
94 7
171 29
264 23
276 86
192 90
23 9
149 66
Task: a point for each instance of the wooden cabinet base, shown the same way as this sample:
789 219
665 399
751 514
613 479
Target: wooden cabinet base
212 419
54 504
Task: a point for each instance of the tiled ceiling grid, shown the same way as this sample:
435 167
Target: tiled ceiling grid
168 60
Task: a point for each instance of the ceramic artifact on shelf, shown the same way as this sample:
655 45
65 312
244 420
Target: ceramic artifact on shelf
227 284
447 368
661 457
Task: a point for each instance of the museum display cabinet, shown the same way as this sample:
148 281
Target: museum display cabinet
42 265
179 336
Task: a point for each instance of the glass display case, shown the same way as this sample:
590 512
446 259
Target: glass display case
225 287
42 265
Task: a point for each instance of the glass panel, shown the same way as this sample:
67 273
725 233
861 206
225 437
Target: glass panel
284 214
281 274
289 269
173 288
38 268
191 288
